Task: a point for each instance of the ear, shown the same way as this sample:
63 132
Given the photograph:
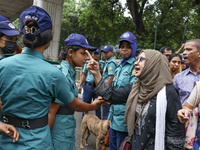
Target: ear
70 52
52 35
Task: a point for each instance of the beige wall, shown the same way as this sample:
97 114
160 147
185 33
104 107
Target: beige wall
54 8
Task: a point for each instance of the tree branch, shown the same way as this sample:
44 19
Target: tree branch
142 8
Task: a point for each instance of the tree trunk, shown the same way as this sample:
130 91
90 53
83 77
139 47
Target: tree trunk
137 15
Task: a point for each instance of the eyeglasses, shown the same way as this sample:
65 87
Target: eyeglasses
139 59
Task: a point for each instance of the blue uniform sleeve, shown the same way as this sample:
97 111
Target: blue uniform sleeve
58 101
85 68
111 68
61 88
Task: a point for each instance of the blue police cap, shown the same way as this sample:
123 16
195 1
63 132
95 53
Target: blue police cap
2 18
40 15
78 39
7 27
97 51
128 36
107 48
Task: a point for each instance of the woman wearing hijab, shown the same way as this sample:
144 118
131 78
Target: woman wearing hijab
158 127
124 75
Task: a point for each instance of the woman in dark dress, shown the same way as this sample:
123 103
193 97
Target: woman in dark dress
158 126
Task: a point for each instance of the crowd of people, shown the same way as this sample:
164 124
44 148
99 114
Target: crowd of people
147 96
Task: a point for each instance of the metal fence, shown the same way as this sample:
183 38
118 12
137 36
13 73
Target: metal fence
78 71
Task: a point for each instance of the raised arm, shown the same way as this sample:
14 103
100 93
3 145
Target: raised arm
115 96
188 106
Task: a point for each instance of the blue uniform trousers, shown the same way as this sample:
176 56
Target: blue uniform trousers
116 138
105 111
88 95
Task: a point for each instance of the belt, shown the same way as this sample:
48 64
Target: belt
26 123
63 110
88 83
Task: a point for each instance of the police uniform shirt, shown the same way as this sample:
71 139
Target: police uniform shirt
102 62
63 130
124 75
109 68
90 78
27 86
70 74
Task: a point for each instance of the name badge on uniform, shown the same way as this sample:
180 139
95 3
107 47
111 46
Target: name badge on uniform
125 74
134 73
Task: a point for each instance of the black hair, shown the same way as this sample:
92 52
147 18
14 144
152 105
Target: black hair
162 50
1 34
40 39
196 41
174 55
64 51
138 51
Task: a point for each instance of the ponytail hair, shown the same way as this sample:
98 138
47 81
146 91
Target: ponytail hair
64 51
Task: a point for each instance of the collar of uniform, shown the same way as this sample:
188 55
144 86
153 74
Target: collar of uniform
72 71
130 60
33 52
109 59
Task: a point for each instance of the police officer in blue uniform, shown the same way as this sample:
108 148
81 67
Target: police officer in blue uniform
9 130
63 128
108 72
87 79
8 37
124 75
29 84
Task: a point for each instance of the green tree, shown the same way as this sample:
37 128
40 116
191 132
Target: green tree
173 17
105 20
69 20
178 20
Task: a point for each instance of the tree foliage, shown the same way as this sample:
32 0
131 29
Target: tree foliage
105 20
69 20
178 20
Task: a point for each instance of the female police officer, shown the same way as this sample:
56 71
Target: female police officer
124 75
8 37
63 129
28 84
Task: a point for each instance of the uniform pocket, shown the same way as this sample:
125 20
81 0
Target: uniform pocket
70 133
